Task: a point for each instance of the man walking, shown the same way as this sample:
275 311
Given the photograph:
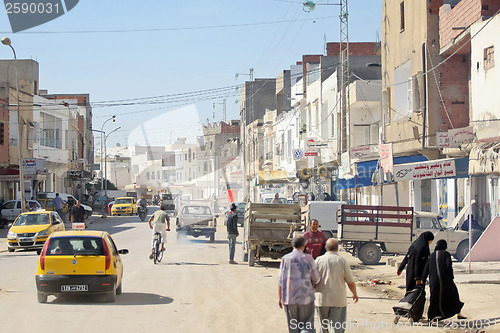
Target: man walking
297 277
161 223
58 205
331 295
78 213
232 231
315 240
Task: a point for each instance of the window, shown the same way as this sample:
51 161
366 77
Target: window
2 133
489 59
402 13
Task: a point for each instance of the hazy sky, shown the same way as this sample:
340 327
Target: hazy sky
122 50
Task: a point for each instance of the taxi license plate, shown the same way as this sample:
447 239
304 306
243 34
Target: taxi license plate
81 287
29 239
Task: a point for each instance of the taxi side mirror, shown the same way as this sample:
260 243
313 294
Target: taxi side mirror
123 251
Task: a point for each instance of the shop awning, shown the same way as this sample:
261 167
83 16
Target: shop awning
272 176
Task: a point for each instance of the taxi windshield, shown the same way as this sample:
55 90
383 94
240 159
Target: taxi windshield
123 201
81 245
32 219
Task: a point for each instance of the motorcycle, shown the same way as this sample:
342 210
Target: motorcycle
142 212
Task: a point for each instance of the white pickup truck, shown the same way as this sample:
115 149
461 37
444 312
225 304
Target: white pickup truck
196 220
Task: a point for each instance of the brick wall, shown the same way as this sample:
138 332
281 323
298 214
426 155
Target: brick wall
454 86
355 49
464 14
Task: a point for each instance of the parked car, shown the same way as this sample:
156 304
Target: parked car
100 204
65 197
124 205
80 262
11 209
30 230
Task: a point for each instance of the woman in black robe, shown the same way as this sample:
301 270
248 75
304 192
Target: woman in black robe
444 301
415 260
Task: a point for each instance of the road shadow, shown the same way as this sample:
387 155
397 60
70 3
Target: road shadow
186 264
267 264
123 299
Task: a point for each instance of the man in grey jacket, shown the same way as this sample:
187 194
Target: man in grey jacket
232 232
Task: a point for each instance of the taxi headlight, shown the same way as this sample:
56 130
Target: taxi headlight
43 233
11 235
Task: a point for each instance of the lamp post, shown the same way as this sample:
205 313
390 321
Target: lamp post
6 41
102 132
105 161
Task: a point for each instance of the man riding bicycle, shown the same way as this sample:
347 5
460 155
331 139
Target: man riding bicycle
161 223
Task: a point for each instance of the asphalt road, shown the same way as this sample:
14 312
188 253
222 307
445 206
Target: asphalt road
193 289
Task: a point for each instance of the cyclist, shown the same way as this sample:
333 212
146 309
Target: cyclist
162 225
143 204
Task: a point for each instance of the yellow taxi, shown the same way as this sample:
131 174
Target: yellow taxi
124 205
30 230
80 262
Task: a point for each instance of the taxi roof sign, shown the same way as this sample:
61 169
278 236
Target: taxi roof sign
78 226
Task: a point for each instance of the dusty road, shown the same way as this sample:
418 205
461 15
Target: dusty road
194 289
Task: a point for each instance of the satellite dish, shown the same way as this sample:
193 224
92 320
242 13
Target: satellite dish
309 6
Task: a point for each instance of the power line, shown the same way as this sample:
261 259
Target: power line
171 29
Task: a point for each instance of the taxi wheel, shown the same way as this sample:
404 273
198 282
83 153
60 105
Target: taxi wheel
119 289
11 250
42 298
111 296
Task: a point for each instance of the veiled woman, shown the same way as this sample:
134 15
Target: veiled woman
444 301
415 260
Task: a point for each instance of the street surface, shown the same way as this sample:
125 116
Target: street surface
194 289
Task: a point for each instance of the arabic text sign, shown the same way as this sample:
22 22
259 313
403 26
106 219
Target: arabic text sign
454 138
425 170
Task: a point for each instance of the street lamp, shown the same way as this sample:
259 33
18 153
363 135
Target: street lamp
6 41
105 161
102 132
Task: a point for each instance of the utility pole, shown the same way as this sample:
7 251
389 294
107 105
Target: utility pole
344 80
244 142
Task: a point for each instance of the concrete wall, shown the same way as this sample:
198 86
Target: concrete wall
400 46
485 83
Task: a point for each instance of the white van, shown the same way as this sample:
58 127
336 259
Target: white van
326 212
64 196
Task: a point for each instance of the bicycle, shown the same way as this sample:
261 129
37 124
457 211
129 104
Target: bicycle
158 253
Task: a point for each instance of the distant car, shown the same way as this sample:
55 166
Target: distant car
31 229
124 205
11 209
80 262
240 210
196 220
100 203
280 200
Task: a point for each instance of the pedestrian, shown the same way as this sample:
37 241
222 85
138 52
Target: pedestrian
276 199
58 205
315 240
331 294
415 260
444 300
161 223
232 231
78 214
297 277
71 203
